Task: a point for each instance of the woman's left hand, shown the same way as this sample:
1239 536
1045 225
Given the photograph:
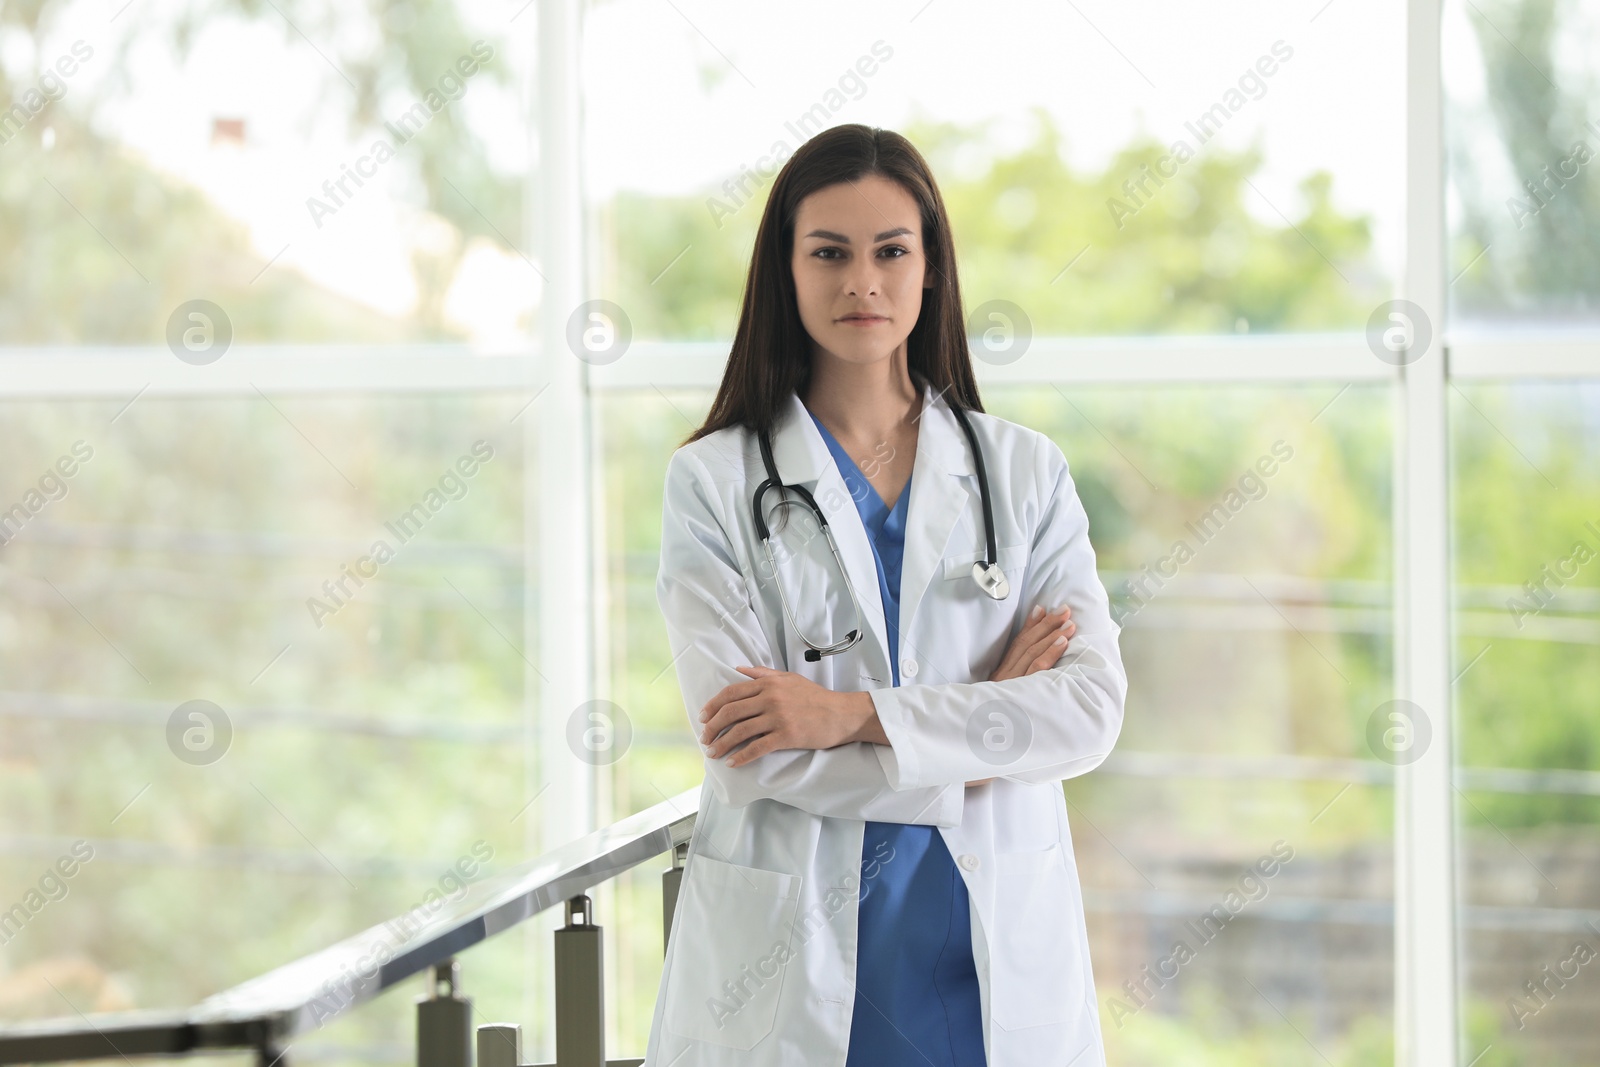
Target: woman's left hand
778 709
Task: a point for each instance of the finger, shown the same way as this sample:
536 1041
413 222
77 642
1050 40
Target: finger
712 745
1048 658
1031 642
1060 628
718 699
1043 655
733 712
1046 625
1025 647
746 754
761 742
752 726
1022 646
728 693
717 747
1037 623
1045 645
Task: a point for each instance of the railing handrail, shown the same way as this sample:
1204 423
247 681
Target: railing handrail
264 1012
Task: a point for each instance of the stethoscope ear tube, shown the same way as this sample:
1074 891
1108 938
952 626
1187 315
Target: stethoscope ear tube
761 490
992 558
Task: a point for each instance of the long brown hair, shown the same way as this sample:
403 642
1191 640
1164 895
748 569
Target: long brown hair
771 354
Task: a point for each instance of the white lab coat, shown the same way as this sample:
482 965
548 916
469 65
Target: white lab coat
761 959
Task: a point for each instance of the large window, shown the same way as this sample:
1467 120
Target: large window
273 288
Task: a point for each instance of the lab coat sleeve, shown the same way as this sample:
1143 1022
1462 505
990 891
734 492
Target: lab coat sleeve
712 628
1053 724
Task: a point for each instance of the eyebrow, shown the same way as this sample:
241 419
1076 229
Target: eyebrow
829 235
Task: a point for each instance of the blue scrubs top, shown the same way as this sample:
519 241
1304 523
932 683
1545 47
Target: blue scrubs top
916 987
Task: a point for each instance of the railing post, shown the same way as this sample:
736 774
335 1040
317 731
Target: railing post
670 880
499 1045
580 989
444 1021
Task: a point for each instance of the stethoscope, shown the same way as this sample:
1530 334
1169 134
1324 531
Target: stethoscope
985 572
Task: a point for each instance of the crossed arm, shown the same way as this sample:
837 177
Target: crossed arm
889 755
778 710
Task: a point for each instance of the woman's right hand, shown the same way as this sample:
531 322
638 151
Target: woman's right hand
1036 648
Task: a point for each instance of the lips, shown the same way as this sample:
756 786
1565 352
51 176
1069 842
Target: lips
864 320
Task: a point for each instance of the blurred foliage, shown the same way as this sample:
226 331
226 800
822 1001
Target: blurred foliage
1195 258
1217 1028
367 755
98 246
1531 254
1526 495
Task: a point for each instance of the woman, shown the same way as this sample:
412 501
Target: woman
881 872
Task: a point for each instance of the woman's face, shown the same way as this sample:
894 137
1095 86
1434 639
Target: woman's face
859 267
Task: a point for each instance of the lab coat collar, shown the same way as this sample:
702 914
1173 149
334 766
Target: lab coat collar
938 495
802 455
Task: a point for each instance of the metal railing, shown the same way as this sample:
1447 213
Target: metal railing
266 1013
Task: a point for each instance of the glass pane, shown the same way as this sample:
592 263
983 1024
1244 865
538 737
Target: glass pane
637 433
315 172
1523 133
1243 222
1256 663
263 688
1236 849
1525 498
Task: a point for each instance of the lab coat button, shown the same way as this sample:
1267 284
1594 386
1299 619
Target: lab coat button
908 667
968 861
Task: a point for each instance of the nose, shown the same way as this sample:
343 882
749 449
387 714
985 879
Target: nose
862 279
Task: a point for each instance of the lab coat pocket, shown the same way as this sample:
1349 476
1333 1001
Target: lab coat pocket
731 949
1013 559
1036 975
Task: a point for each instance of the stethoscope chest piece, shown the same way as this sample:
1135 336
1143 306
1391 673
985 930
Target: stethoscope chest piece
991 579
